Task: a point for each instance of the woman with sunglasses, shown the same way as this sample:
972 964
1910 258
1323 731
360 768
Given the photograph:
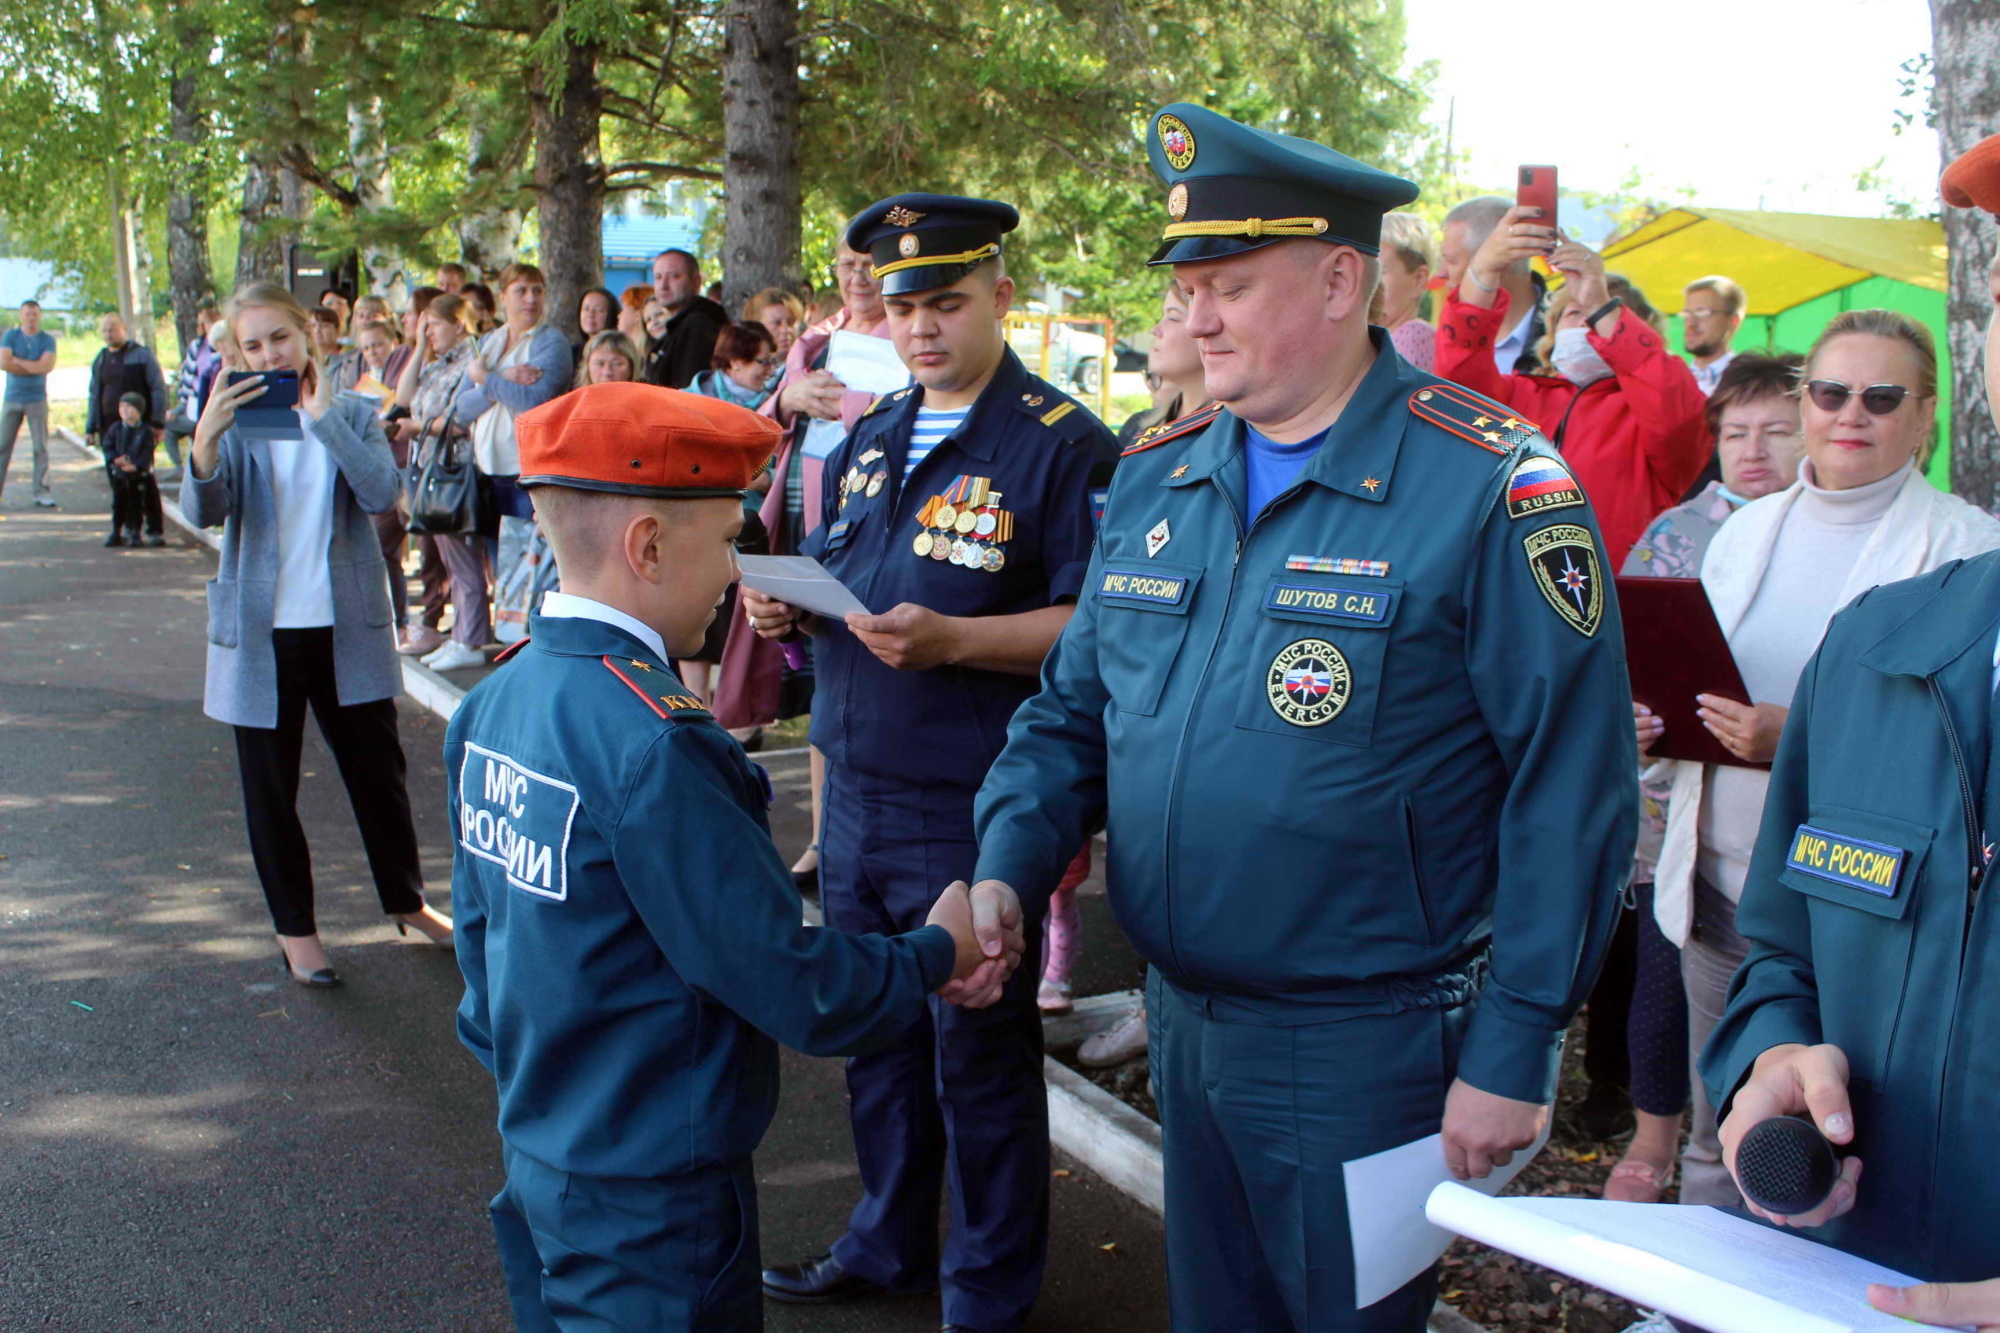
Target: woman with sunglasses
1867 1001
1860 514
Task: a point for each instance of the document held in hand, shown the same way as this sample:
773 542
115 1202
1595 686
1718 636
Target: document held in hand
801 581
1721 1272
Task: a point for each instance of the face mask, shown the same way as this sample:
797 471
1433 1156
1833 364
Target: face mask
1576 360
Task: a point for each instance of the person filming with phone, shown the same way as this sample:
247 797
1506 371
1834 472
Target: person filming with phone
298 615
1623 411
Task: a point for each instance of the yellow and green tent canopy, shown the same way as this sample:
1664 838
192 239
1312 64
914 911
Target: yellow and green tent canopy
1798 271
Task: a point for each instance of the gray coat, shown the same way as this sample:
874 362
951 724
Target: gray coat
242 686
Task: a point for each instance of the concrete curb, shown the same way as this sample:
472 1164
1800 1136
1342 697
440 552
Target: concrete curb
1107 1136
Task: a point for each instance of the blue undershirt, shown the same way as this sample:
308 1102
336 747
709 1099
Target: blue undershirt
1272 466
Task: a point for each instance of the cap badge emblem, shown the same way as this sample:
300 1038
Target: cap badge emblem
901 217
907 245
1177 202
1178 142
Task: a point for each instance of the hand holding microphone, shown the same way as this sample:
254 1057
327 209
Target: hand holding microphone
1788 1161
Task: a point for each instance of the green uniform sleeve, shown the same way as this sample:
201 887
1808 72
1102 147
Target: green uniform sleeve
1045 793
1548 672
1774 997
707 881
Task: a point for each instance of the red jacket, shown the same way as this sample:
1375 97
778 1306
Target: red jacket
1635 441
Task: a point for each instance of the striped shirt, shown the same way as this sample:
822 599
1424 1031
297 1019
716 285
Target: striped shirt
929 432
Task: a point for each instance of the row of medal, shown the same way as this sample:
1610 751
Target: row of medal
966 526
860 479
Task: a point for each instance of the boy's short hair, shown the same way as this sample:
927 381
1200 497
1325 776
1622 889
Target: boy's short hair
581 525
136 402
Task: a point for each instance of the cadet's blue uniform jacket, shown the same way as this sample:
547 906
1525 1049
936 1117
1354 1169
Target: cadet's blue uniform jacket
1034 445
1321 787
630 939
1869 921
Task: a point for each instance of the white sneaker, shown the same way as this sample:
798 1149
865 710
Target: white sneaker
1118 1045
1654 1322
454 656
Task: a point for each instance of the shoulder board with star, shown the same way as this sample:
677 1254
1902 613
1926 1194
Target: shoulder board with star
1155 436
675 707
1474 417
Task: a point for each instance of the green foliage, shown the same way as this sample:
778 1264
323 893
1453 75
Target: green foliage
1044 104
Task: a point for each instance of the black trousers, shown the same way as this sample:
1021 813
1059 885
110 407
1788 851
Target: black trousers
364 744
128 493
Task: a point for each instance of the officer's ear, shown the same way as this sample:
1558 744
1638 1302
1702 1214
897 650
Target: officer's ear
1348 279
1003 297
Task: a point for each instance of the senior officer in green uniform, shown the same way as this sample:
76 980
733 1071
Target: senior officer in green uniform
630 940
1346 683
1870 999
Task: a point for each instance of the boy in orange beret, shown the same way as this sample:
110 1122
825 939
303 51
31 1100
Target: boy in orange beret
631 942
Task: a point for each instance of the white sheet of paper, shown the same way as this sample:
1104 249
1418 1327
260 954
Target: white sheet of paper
822 437
867 364
1385 1212
1723 1273
800 581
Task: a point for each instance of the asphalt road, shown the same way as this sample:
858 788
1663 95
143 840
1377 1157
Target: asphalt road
186 1140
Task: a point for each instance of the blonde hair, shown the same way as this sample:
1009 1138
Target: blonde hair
775 296
615 341
1734 301
267 296
1892 324
1412 239
1895 325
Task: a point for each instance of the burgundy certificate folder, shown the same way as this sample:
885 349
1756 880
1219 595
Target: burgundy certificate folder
1675 650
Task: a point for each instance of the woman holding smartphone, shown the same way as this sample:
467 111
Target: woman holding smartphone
298 616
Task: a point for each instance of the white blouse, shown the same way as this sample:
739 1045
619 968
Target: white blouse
302 485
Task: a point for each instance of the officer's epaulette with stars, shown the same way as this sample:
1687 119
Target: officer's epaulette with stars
668 707
1475 417
1155 436
1056 410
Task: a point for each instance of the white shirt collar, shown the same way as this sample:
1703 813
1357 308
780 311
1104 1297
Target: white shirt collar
570 606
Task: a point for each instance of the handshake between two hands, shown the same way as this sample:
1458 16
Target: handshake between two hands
985 923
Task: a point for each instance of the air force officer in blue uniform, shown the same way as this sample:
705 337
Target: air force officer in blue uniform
1347 683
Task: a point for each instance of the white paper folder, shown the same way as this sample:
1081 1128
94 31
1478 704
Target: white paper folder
1720 1272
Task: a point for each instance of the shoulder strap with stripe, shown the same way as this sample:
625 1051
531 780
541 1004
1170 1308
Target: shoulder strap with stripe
1473 416
1158 435
678 707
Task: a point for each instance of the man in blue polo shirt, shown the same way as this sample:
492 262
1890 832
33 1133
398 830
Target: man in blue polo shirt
27 355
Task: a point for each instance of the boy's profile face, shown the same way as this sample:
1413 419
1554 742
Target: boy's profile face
128 414
697 543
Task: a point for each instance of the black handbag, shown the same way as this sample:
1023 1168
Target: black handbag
443 484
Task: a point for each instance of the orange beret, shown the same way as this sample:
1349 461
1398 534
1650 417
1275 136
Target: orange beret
1973 181
638 439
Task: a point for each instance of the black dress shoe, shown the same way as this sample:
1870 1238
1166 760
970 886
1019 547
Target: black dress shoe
819 1280
156 540
115 539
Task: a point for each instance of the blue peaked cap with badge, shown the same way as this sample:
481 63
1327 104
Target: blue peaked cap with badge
1232 188
922 241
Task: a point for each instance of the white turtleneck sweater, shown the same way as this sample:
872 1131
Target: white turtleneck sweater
1816 549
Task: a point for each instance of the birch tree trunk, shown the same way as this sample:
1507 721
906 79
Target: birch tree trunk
569 182
760 171
260 243
191 279
489 233
1966 38
374 190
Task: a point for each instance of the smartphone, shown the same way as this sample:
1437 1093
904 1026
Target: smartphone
1537 189
281 387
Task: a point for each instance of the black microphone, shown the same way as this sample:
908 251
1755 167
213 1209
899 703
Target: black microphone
1785 1166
